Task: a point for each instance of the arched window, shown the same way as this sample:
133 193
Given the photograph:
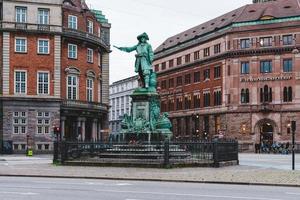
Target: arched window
285 94
266 94
72 82
243 96
247 96
290 94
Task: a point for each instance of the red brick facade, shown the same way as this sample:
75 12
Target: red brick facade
267 45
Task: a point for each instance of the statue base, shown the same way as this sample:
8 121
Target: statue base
145 123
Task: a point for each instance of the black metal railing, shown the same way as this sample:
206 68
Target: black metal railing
30 27
86 36
163 154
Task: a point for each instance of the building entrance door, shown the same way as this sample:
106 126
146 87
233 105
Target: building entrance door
266 133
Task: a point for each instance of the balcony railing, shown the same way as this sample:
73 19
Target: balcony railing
30 27
86 36
84 105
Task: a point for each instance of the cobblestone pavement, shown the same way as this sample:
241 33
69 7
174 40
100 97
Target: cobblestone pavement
42 166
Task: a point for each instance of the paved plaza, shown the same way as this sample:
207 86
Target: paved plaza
253 169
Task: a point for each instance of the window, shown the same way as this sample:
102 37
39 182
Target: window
196 55
171 105
217 48
20 122
217 98
266 94
287 40
217 72
179 81
179 103
72 22
43 46
164 84
171 63
43 16
245 43
90 53
90 26
196 77
21 14
72 87
43 123
20 82
206 102
245 96
72 51
21 45
187 102
197 101
163 66
187 58
156 68
266 66
206 52
287 65
179 61
171 82
206 74
43 83
287 94
265 41
245 68
89 89
187 79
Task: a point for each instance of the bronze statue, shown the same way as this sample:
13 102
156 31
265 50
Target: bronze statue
144 58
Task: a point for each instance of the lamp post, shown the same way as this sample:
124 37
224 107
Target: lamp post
293 144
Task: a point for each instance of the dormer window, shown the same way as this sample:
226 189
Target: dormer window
90 26
72 22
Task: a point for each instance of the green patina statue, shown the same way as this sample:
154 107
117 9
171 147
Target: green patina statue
144 58
146 117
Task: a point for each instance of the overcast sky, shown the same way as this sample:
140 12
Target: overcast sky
159 18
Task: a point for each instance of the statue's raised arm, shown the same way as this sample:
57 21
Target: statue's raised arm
126 49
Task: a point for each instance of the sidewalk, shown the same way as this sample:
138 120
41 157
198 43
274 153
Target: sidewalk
42 166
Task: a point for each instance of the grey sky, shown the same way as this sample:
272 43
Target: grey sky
159 18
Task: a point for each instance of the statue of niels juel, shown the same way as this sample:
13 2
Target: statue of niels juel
144 58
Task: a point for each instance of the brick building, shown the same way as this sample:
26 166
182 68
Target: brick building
237 75
54 72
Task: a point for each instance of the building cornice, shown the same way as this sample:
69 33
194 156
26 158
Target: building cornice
230 29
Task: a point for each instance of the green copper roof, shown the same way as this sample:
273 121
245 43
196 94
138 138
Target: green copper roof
100 17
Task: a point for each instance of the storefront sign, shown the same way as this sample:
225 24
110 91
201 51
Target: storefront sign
262 79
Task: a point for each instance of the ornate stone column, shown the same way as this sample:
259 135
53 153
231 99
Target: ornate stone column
62 126
83 129
94 129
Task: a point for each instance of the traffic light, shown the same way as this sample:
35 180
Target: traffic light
56 130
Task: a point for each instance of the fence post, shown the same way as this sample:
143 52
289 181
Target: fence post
166 154
55 152
215 154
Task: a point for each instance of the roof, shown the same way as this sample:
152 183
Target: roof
99 16
251 12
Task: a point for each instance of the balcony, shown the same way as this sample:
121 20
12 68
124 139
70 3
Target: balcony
27 27
74 33
84 105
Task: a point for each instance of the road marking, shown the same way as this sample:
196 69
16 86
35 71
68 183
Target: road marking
292 193
123 184
20 193
191 195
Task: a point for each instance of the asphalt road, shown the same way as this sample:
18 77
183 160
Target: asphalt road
16 188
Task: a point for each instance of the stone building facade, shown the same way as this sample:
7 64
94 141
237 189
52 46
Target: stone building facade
236 75
54 72
120 103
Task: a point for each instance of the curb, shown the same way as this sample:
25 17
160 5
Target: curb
153 180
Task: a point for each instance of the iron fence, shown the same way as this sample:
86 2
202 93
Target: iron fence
162 154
